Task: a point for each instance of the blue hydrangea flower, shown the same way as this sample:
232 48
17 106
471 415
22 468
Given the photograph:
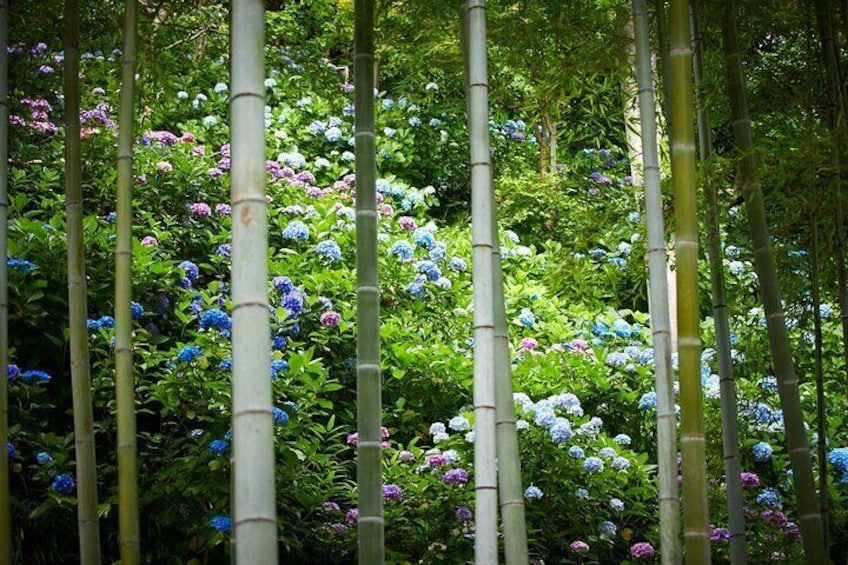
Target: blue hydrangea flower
215 318
593 465
617 359
444 283
458 265
438 252
280 416
278 366
416 287
620 464
297 231
192 271
278 343
423 237
218 446
736 267
333 135
582 493
226 364
527 318
283 284
402 250
92 324
607 453
106 322
533 493
20 265
576 452
44 457
459 424
616 504
10 449
435 122
221 523
63 484
137 310
317 127
189 353
293 303
769 497
37 376
622 328
414 121
648 401
839 459
622 439
12 371
762 451
561 431
329 250
607 528
429 269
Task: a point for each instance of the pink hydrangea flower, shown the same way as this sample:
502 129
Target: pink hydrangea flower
164 167
406 456
528 343
200 209
579 546
331 318
97 90
199 150
434 461
642 549
223 209
188 137
149 241
352 515
750 480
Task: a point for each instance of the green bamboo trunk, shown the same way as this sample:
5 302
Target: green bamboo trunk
793 416
5 495
129 536
665 61
482 236
821 403
727 386
660 324
253 497
88 522
695 515
369 450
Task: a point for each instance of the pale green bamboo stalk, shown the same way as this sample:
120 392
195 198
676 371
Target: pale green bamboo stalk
253 497
368 393
129 536
660 326
5 494
665 74
727 386
793 416
695 515
88 521
482 236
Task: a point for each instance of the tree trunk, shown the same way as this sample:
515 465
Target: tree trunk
749 183
88 522
727 386
368 389
485 479
130 539
659 306
5 495
695 515
253 496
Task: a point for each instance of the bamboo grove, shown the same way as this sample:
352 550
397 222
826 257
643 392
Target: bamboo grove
675 87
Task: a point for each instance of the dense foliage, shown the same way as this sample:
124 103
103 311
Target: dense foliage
575 279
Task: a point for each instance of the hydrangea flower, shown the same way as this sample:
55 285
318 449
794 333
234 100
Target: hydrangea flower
137 310
330 319
576 452
762 451
622 439
10 449
280 416
607 453
769 497
459 424
648 401
527 318
719 534
464 513
37 376
593 465
429 269
750 480
215 318
44 457
392 492
189 353
296 230
561 431
616 504
221 523
579 546
218 446
620 464
582 493
642 549
402 250
533 493
607 528
458 265
63 484
455 477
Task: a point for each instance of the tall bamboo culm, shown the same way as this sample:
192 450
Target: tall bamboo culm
747 179
510 489
5 495
482 236
727 386
253 496
695 516
88 521
368 379
660 326
129 535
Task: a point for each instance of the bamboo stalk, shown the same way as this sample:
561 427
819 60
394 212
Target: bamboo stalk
5 494
130 538
787 382
727 386
369 451
88 521
659 305
695 514
485 474
253 497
